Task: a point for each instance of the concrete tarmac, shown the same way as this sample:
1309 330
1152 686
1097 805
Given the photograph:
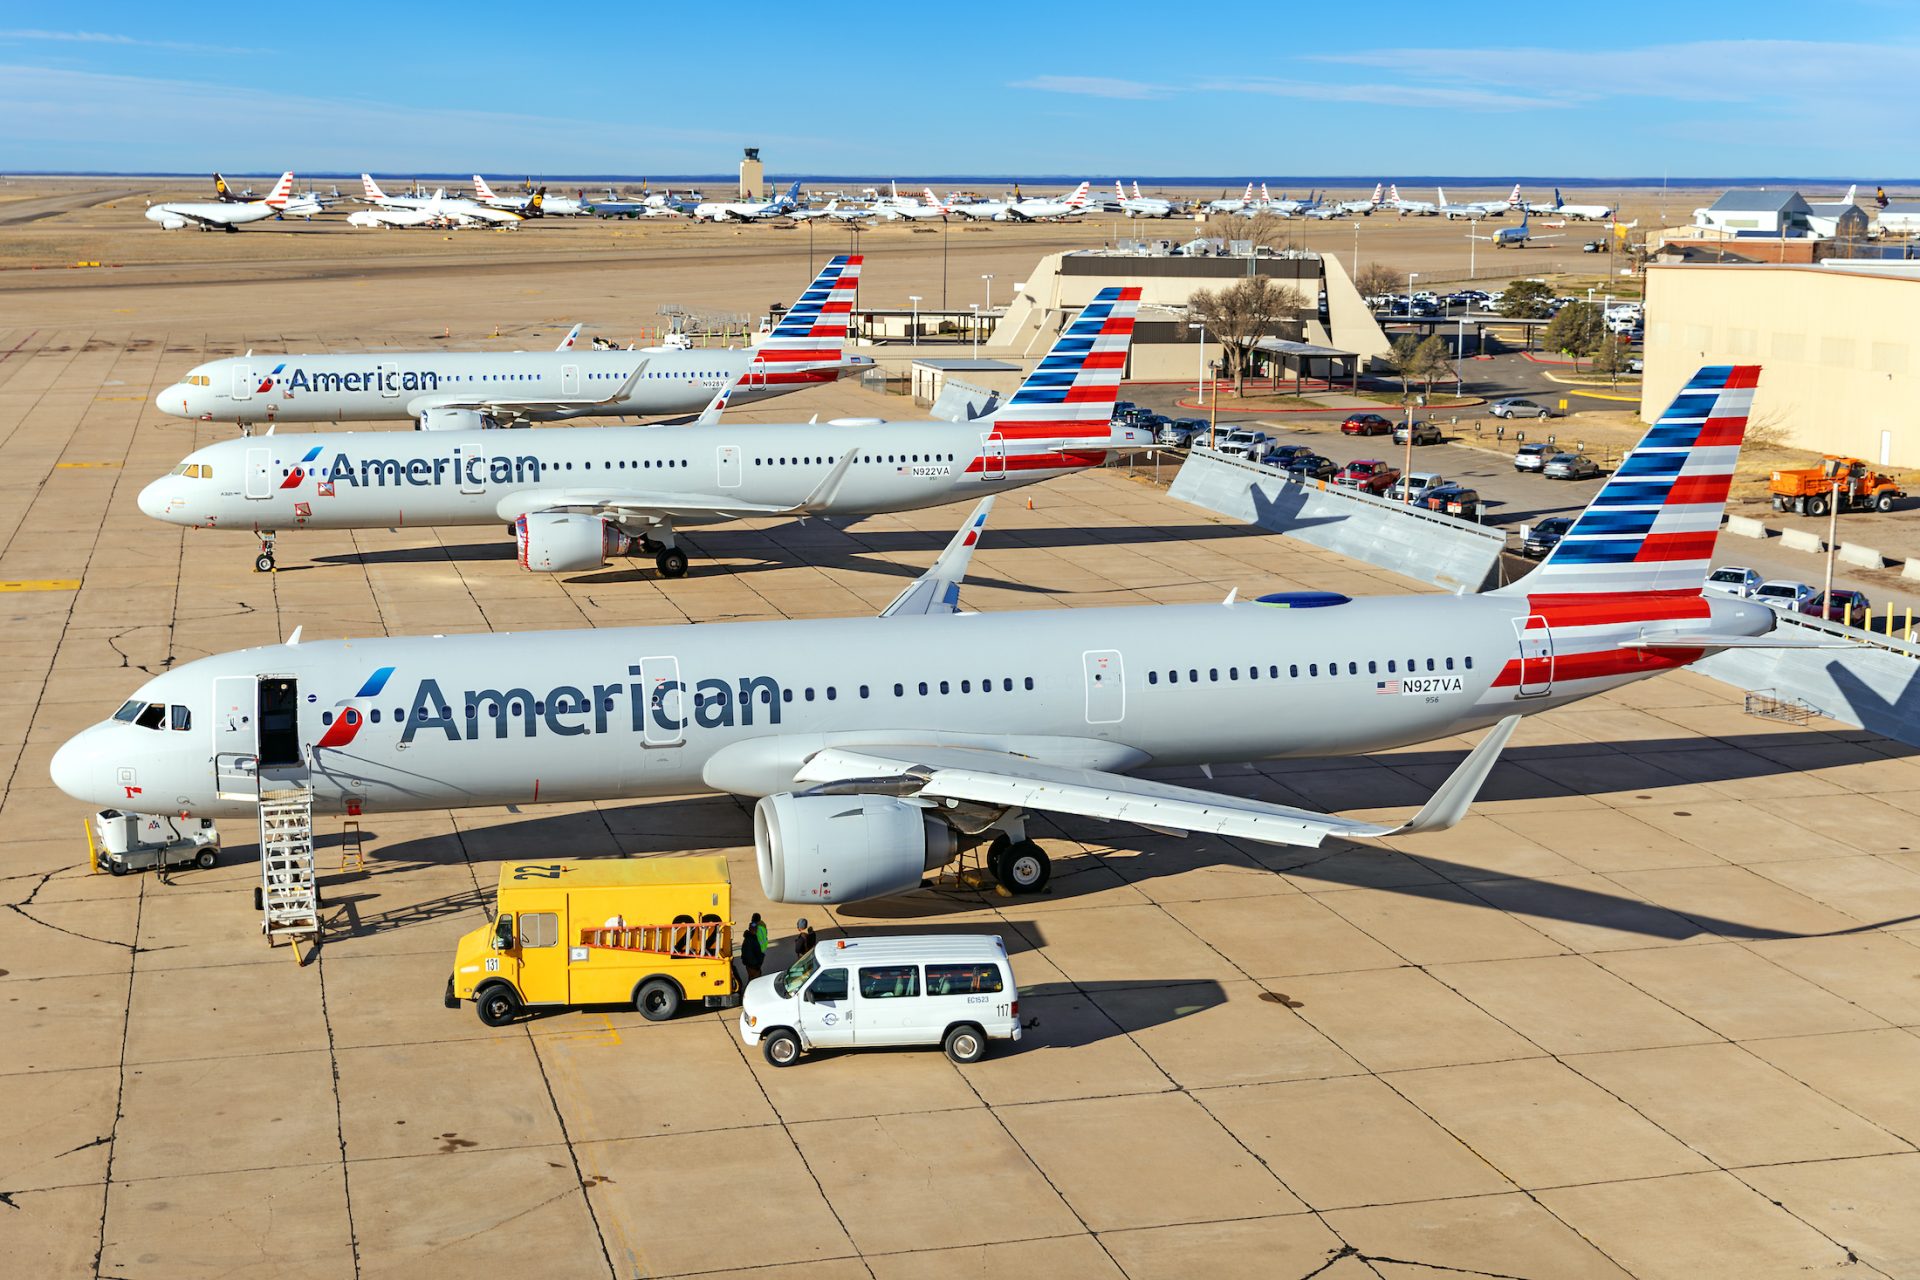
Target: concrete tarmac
1653 1009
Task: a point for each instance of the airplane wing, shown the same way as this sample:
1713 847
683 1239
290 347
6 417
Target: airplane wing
938 589
191 216
1002 779
513 407
642 507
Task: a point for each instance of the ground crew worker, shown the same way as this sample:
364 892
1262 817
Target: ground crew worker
804 940
753 947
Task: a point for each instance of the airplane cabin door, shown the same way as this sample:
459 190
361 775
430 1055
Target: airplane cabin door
471 461
259 473
1106 686
728 466
993 457
235 739
242 382
667 702
569 379
1536 656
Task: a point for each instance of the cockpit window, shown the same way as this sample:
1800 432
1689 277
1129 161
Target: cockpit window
129 710
180 470
152 716
180 718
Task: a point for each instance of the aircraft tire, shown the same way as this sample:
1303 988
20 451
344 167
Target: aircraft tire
263 563
1027 867
672 563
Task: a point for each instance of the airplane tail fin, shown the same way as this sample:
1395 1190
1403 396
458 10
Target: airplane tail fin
814 331
1119 192
281 190
1136 188
1079 196
936 202
792 195
371 189
1852 191
1376 193
1513 196
220 187
1393 193
1650 530
1442 193
481 191
1558 199
1072 391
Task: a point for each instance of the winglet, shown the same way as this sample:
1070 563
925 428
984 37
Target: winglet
626 388
566 343
718 405
938 589
1456 795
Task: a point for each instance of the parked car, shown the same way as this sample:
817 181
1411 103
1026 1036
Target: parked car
1365 424
1245 443
1453 500
1180 432
1369 475
1124 408
1636 365
1532 457
1570 466
1154 423
1282 455
1420 483
1734 580
1310 466
1544 536
1424 432
1519 407
1779 593
1843 605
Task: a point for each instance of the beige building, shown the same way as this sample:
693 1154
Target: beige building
1836 342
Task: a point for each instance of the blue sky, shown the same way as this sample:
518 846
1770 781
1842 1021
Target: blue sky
1374 90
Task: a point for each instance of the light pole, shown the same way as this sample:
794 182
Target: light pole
915 335
975 308
988 305
1833 532
1356 249
1200 347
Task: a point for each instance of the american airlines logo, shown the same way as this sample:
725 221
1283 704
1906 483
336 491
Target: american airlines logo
570 711
380 378
466 468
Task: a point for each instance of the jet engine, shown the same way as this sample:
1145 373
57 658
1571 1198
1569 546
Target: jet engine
559 542
171 224
846 848
432 419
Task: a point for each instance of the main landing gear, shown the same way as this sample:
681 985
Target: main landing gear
263 563
670 560
1021 865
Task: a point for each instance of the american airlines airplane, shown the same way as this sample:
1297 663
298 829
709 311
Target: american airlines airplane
1033 209
467 390
1417 208
226 214
879 747
574 497
1139 206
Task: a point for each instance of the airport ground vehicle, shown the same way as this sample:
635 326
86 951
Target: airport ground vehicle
1842 605
649 932
1532 457
1544 536
1424 432
1733 580
1847 481
1369 475
1365 424
952 990
1779 593
123 842
1570 466
1519 407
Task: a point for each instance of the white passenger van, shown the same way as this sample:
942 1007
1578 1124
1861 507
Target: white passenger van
955 991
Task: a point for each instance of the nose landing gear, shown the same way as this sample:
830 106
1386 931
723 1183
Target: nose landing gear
263 563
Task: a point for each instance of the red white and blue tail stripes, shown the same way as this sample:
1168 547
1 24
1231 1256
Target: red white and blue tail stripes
814 332
1071 394
1651 528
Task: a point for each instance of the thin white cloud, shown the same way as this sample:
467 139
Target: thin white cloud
1387 95
115 39
1093 87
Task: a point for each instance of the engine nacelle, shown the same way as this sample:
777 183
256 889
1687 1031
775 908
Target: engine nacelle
432 419
845 848
559 542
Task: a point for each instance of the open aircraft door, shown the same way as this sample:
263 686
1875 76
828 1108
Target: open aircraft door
1536 656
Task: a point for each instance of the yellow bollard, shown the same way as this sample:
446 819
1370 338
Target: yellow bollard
1846 614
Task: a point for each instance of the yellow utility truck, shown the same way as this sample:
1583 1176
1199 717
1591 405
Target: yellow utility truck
650 932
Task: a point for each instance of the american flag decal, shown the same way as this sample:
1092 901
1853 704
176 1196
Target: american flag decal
1387 686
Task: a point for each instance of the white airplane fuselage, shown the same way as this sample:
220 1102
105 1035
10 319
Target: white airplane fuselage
475 720
378 480
390 385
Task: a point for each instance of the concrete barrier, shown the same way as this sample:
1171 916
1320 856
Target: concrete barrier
1746 527
1862 557
1434 548
1911 569
1874 687
1801 540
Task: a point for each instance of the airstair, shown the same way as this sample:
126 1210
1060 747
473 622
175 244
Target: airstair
289 896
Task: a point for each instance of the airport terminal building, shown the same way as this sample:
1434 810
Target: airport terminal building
1837 341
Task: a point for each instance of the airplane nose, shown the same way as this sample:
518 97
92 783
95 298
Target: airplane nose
174 401
153 499
77 770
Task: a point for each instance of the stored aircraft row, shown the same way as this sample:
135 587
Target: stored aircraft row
878 748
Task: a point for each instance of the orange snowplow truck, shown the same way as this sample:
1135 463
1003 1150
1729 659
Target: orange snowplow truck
1846 481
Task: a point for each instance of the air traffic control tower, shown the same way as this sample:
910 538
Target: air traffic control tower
753 178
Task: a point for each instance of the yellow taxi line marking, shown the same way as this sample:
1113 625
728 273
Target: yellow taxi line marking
41 584
81 466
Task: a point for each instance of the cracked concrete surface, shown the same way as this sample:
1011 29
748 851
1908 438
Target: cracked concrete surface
1618 1023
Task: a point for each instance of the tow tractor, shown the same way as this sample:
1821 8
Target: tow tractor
123 842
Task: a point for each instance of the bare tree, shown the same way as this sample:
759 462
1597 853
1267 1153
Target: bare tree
1266 231
1241 314
1415 359
1377 278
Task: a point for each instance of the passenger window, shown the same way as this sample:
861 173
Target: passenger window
539 928
1429 664
1153 677
1449 664
1313 668
830 985
963 979
182 718
890 982
1469 662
